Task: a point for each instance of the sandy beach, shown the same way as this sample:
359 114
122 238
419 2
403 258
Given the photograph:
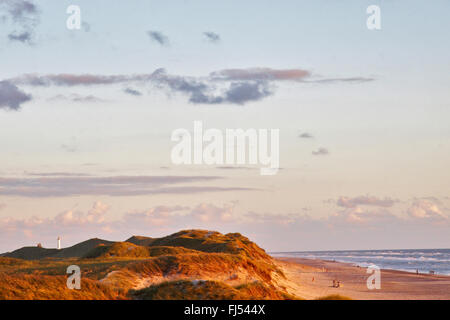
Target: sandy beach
313 278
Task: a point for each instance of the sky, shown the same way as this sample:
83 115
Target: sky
86 117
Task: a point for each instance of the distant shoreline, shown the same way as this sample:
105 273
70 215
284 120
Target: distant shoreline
354 264
313 278
389 260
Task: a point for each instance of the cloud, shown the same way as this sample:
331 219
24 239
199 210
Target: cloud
65 186
157 216
57 174
306 135
212 36
11 97
77 98
428 209
280 219
132 92
349 228
349 80
24 37
23 14
259 74
69 80
242 92
359 215
158 37
2 206
348 202
229 86
234 168
195 88
20 10
321 152
201 92
211 213
69 223
96 215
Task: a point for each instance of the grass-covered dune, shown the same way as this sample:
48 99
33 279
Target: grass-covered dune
190 264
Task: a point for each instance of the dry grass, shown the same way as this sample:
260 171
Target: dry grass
334 297
130 250
110 269
205 263
31 287
208 290
210 241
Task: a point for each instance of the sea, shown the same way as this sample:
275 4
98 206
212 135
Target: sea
424 260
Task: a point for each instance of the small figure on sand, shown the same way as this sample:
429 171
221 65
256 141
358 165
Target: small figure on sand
336 283
312 279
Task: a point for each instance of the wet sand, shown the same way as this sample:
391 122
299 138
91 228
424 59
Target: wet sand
313 278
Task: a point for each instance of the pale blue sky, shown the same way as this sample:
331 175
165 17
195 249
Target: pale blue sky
388 137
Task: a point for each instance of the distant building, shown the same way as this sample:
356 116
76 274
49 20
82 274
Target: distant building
59 243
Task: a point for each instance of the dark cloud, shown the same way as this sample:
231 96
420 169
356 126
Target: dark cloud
306 135
158 37
65 186
321 152
20 10
24 15
348 202
212 36
132 92
229 86
204 93
24 37
242 92
11 97
197 90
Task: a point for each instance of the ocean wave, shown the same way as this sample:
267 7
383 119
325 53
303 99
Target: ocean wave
406 260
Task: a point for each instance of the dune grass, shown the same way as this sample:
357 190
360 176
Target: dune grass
110 270
334 297
31 287
208 290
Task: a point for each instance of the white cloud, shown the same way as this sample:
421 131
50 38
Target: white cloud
353 227
428 209
348 202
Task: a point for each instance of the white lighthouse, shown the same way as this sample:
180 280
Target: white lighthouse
59 243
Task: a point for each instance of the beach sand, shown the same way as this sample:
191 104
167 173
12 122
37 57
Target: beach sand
394 284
